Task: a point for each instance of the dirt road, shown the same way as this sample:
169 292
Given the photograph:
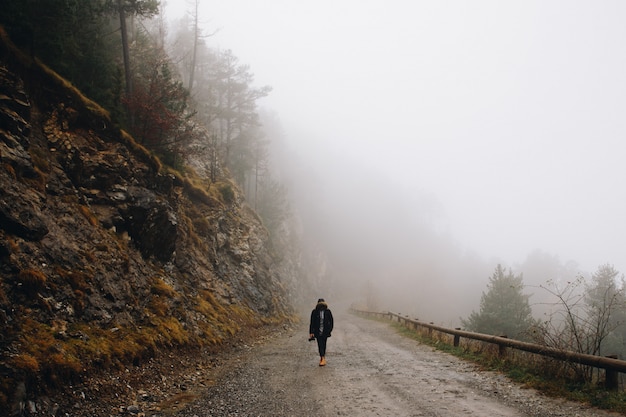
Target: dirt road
371 371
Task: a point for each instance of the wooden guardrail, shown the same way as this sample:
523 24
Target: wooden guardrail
611 365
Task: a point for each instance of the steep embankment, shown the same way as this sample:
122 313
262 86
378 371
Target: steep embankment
105 257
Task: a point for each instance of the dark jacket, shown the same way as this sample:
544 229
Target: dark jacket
314 326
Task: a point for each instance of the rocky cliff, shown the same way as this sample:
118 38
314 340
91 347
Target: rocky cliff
107 257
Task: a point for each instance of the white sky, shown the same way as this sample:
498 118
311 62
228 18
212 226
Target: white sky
511 113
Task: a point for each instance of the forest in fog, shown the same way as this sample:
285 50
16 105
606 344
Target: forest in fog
422 202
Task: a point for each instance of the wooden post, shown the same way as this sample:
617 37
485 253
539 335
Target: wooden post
457 338
612 376
502 348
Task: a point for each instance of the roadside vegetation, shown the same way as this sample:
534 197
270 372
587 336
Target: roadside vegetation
545 375
586 316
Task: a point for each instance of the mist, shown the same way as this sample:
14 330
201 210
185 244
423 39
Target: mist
425 142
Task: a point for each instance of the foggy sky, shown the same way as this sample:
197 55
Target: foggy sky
503 122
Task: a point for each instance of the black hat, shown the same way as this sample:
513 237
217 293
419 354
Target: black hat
320 300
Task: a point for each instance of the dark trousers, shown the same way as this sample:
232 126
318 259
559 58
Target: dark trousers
321 344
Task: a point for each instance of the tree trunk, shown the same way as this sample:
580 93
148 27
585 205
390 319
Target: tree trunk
195 49
125 52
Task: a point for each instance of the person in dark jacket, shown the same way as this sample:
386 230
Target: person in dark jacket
320 327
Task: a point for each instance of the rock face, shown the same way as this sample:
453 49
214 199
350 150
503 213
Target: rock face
104 256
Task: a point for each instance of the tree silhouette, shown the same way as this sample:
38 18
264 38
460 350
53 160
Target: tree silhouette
124 9
159 102
504 309
605 301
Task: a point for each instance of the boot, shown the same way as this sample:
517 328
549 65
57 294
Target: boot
323 361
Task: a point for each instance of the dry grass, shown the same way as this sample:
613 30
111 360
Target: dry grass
87 213
37 181
25 363
193 236
158 306
10 170
13 245
4 300
140 150
201 225
60 354
78 280
32 280
160 287
173 331
177 401
40 160
44 355
199 194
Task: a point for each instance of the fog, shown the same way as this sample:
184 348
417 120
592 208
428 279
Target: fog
428 141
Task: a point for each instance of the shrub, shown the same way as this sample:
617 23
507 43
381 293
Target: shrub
32 280
160 287
60 368
158 306
25 363
228 195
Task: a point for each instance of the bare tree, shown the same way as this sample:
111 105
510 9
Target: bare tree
586 315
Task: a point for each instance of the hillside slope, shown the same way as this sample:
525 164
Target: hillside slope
106 258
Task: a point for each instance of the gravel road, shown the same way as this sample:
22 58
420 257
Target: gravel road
371 371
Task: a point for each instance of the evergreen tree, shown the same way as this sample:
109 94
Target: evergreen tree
236 112
226 105
159 102
605 303
74 38
272 204
504 309
125 9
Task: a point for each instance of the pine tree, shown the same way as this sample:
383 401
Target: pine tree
605 301
504 309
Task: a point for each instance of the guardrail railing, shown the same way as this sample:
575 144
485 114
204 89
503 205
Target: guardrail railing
611 365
